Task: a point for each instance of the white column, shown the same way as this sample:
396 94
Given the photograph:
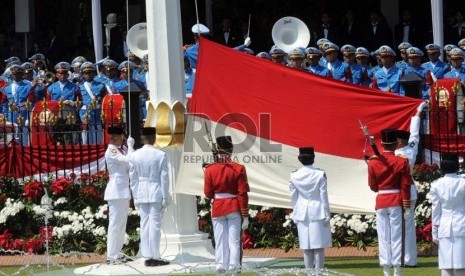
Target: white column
181 239
97 29
437 17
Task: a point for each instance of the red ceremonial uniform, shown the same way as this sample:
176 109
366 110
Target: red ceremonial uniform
227 177
390 172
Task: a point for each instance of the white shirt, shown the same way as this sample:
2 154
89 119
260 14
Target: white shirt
14 86
406 33
226 36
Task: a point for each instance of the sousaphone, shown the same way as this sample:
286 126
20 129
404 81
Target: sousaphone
289 33
137 39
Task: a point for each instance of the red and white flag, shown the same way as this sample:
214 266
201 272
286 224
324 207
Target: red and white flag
270 111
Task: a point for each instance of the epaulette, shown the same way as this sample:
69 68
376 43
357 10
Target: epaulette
412 144
373 157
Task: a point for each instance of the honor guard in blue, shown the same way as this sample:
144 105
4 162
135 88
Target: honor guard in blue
361 56
192 51
144 74
379 64
113 76
339 70
436 67
456 65
319 44
407 147
314 55
387 78
8 63
264 55
117 192
63 89
75 74
148 171
243 47
403 64
19 93
447 50
296 59
92 93
310 206
277 55
137 64
461 44
414 58
101 75
187 75
39 90
126 68
356 71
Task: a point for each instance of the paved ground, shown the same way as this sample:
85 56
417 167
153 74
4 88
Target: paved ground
261 252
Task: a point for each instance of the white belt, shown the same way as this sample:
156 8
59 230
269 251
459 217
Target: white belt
225 195
194 70
391 191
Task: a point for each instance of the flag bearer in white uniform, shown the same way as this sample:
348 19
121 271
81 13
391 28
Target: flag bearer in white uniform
448 217
309 198
407 147
148 170
226 183
117 192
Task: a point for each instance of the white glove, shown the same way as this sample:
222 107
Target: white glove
434 233
422 106
130 142
326 221
247 42
407 214
136 205
245 223
165 203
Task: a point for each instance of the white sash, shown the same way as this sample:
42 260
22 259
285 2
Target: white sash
89 91
108 89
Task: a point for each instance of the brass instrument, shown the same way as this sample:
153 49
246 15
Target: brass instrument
45 78
289 33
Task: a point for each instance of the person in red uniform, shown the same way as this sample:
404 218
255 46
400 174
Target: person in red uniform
226 184
389 176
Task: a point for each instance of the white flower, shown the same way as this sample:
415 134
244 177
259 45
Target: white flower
253 213
265 208
38 210
203 213
99 231
126 239
59 201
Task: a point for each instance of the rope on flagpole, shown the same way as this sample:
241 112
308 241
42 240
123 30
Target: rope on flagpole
129 75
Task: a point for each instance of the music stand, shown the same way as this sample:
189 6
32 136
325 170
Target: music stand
134 120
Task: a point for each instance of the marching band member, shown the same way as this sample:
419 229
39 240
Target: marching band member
389 176
277 55
356 72
456 65
117 192
310 205
226 183
448 217
361 56
314 55
263 55
387 78
434 65
296 59
339 70
76 76
39 91
91 91
192 51
63 89
447 50
403 64
414 59
407 147
148 171
18 92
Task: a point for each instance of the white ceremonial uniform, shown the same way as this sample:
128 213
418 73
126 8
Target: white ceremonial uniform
148 171
448 213
309 198
410 152
117 194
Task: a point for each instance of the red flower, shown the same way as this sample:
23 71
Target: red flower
202 224
5 239
33 190
89 192
45 233
84 177
34 246
424 233
17 244
72 176
247 241
264 217
60 186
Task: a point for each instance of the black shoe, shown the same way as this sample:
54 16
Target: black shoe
149 262
160 262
